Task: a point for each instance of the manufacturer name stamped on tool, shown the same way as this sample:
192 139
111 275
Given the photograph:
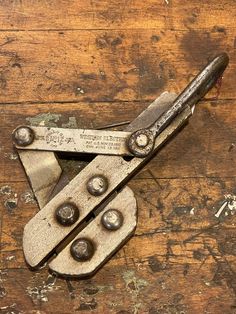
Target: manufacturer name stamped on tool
101 137
102 142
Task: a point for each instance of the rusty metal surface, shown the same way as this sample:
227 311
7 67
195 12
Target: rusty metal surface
104 241
43 226
43 172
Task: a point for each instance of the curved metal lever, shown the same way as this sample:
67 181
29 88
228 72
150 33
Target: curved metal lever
141 142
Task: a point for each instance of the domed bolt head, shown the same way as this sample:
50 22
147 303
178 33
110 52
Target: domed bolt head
142 140
97 185
23 136
112 219
67 214
82 249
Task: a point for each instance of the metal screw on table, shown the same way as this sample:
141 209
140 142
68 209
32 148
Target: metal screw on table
82 249
97 185
23 136
112 219
67 214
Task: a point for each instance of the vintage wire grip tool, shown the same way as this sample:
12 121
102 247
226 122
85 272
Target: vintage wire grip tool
82 222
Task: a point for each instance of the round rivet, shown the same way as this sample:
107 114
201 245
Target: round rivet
112 219
142 140
82 249
23 136
67 214
97 185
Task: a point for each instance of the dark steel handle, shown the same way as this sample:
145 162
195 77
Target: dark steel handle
142 141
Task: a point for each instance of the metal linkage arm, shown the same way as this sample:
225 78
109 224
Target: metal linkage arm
142 141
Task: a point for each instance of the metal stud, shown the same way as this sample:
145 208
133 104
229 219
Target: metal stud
97 185
23 136
67 214
112 219
82 249
142 140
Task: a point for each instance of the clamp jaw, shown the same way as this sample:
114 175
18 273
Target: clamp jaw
82 222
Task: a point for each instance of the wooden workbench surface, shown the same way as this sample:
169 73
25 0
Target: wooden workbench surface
83 63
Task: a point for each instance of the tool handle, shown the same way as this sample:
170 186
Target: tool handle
141 142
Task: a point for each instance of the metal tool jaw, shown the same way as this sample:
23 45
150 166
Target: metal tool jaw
82 222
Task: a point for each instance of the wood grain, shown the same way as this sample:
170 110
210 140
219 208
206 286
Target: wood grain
101 65
92 63
111 14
